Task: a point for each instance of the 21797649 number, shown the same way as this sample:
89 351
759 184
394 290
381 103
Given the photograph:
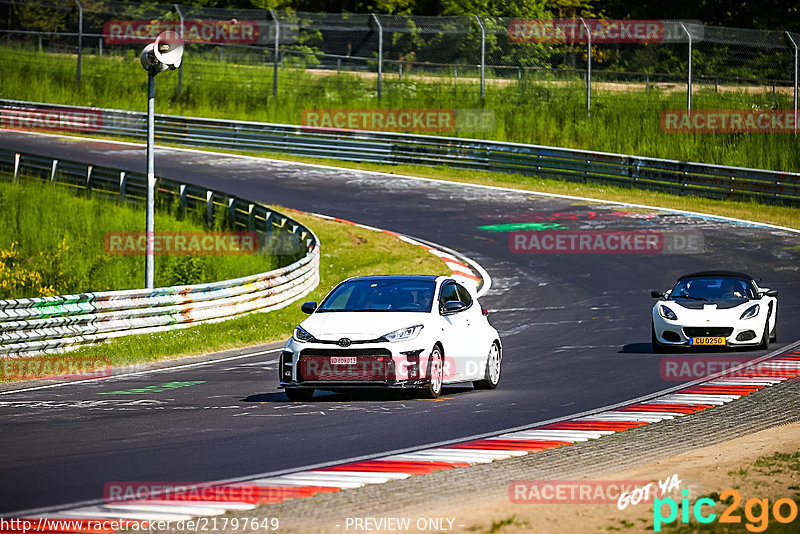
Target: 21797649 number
236 524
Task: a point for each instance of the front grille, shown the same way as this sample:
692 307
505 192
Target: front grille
706 331
369 366
345 352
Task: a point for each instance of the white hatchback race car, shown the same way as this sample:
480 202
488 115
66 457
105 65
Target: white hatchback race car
715 308
415 332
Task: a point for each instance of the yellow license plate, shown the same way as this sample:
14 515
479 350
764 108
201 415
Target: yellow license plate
708 341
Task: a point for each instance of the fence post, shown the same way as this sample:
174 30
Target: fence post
380 53
180 67
588 69
277 53
689 80
794 44
483 56
17 157
123 186
80 41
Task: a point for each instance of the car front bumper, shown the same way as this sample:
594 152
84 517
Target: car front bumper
372 365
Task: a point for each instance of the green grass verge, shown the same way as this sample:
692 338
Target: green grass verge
529 110
53 244
346 251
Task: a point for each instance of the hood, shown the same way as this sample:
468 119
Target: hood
718 304
359 326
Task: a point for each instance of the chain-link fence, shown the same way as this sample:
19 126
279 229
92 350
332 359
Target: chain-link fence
596 58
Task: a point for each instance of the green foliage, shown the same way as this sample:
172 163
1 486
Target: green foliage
53 243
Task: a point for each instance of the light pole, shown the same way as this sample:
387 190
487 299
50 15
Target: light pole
165 53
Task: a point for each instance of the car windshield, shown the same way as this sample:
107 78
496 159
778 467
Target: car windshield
381 295
713 288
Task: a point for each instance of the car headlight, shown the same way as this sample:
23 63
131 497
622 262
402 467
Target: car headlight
301 335
666 313
750 312
404 334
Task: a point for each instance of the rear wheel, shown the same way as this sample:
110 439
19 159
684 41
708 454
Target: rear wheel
298 394
658 348
491 376
435 373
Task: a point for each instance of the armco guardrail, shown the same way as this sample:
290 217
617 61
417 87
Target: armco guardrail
716 181
55 324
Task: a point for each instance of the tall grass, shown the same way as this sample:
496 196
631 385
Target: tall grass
53 243
528 110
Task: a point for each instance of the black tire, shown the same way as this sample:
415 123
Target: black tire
435 366
658 348
490 380
764 345
773 336
299 394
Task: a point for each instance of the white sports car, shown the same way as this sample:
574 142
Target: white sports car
715 308
392 332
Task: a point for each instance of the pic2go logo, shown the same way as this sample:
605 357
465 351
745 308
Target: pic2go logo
756 511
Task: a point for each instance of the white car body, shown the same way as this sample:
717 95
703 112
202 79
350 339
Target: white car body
706 315
389 343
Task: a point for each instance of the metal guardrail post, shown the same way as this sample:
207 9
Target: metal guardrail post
796 49
277 53
483 56
380 54
588 69
689 80
80 41
180 67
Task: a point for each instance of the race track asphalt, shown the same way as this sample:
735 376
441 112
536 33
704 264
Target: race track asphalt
576 331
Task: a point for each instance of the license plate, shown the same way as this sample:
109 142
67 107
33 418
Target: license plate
708 341
343 360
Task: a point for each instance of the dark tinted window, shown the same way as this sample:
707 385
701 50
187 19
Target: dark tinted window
381 295
713 288
464 295
448 293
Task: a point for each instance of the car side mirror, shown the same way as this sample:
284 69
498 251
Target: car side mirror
771 293
309 307
452 306
657 294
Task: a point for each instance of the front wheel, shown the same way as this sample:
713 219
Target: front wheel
435 373
764 345
491 376
298 394
773 336
658 348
